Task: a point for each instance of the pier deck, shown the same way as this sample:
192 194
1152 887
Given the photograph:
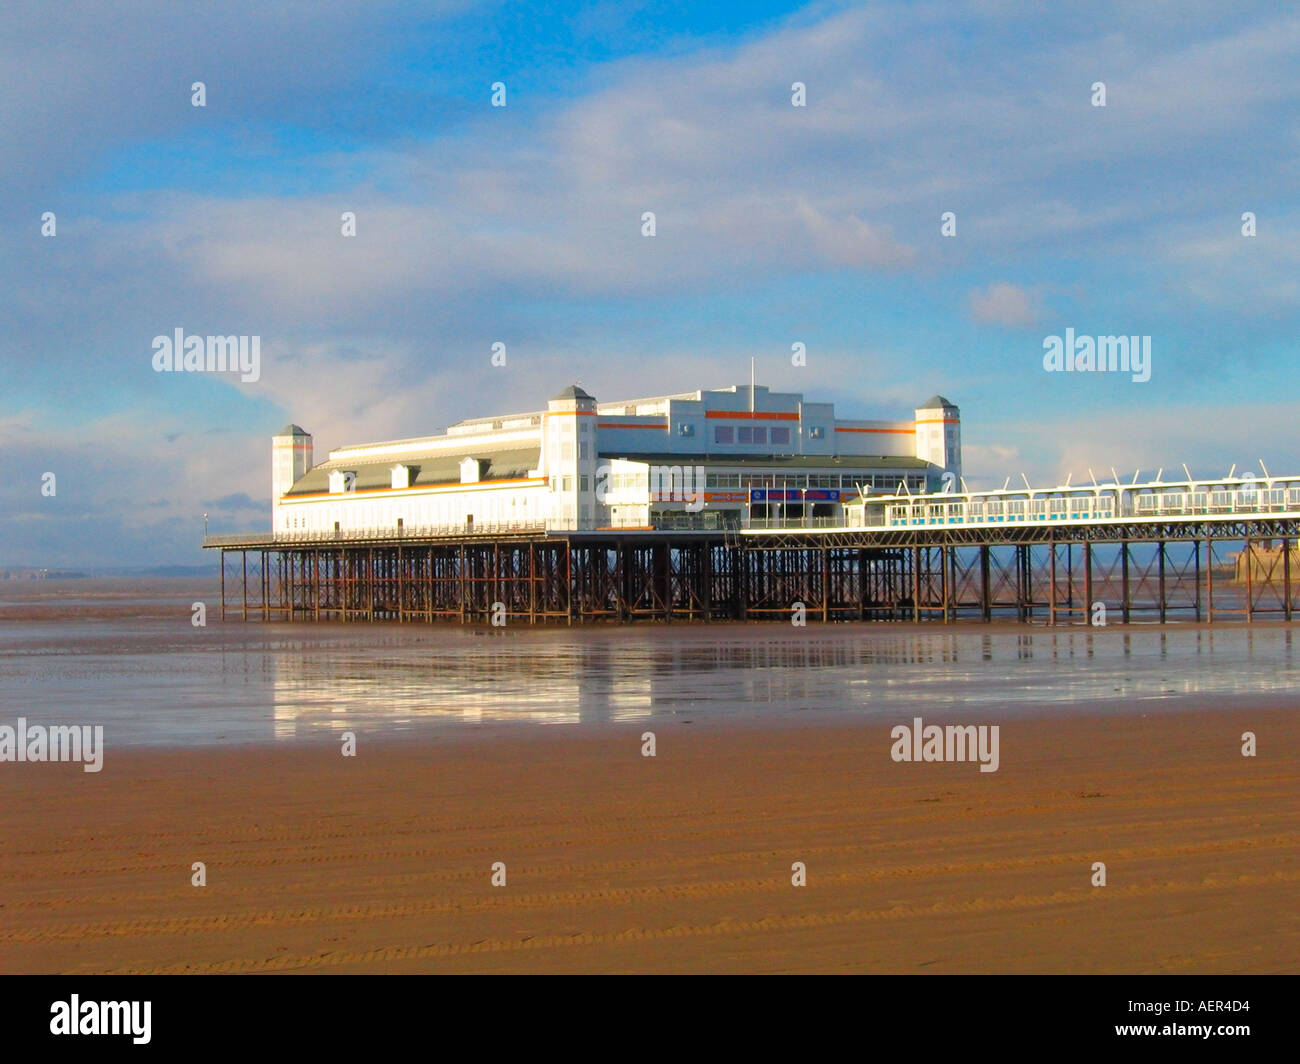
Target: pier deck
1116 571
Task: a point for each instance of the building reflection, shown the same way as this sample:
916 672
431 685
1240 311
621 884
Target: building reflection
404 681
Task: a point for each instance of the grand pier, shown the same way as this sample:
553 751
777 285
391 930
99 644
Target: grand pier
1209 551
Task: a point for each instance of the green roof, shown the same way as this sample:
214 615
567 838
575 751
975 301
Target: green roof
426 469
796 461
573 391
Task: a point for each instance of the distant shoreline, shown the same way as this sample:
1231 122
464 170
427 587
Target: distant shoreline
161 572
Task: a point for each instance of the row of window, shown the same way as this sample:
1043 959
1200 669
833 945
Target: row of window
777 435
792 480
433 513
847 481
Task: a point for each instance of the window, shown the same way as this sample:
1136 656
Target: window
582 448
567 484
746 434
724 434
760 434
781 436
582 484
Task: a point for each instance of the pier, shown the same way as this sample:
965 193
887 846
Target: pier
1195 551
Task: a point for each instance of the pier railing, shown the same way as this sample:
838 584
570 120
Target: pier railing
1245 497
796 523
388 534
705 522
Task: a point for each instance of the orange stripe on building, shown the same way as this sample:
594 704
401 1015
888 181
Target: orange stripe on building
756 415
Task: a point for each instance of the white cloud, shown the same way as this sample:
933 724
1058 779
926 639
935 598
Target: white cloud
850 241
1003 303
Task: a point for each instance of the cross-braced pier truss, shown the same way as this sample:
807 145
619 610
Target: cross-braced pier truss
1200 568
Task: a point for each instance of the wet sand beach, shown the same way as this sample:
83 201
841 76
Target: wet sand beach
615 862
222 745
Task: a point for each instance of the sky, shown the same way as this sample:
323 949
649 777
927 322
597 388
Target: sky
775 224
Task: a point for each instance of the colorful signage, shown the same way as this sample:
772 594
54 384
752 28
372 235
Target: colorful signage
794 495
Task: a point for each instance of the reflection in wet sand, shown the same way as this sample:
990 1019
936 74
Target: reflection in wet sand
150 677
599 677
